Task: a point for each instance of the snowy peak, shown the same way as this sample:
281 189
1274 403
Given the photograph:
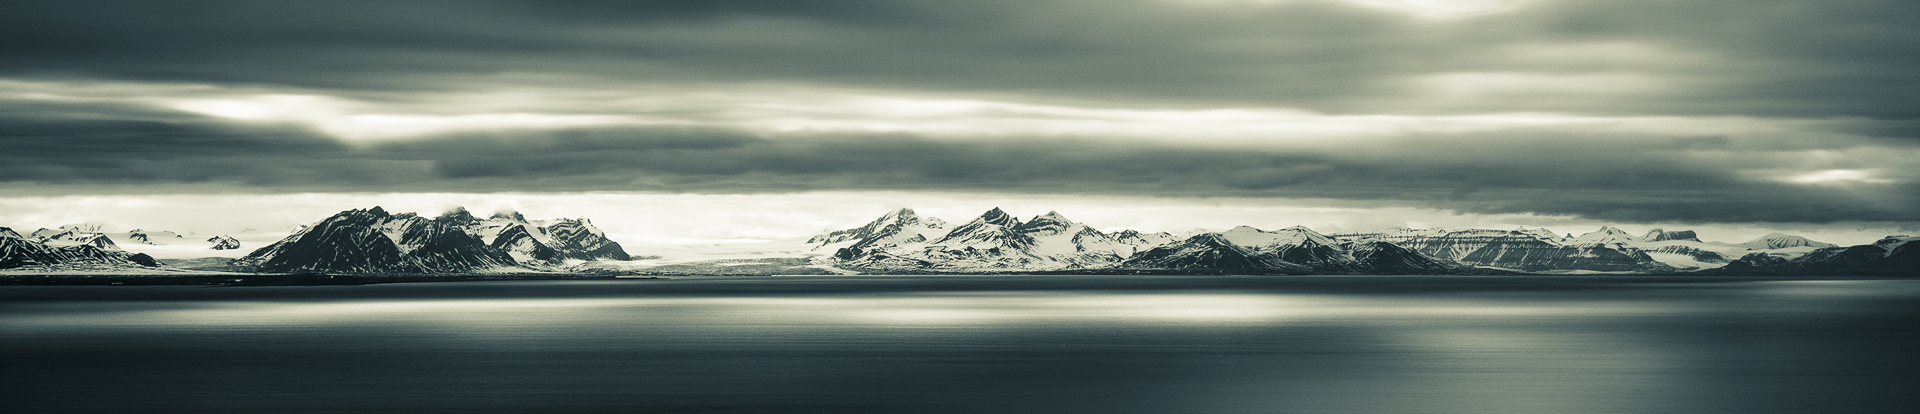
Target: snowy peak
994 240
1050 217
224 242
1379 257
1136 238
896 227
1296 245
1606 235
8 233
1890 242
87 227
374 241
457 216
1660 235
1260 240
1783 241
1542 234
17 252
1050 224
902 217
68 236
152 237
998 218
509 215
549 241
995 228
579 239
1208 251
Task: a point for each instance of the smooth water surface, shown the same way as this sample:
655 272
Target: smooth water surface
973 344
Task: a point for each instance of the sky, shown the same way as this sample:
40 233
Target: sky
711 120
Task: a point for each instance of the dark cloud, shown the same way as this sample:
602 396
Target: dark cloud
1852 60
1775 57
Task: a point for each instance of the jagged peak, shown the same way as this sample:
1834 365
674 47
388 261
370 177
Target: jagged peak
87 227
458 214
8 233
507 214
902 216
377 211
1052 222
1300 229
1214 239
999 217
1052 216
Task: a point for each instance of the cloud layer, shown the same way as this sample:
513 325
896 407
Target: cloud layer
1701 111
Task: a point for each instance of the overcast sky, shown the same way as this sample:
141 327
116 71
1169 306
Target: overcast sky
1736 114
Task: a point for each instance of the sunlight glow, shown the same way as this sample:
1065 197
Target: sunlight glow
774 111
1430 9
1837 177
353 120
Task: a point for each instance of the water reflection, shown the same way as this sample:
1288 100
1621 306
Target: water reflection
934 344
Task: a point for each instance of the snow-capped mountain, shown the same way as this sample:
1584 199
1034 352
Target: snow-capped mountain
17 252
1891 256
1143 241
1209 251
1895 242
540 241
1297 245
578 239
374 241
1606 235
994 241
895 228
85 234
1660 235
148 237
1783 241
224 242
1604 250
1684 249
1379 257
1291 250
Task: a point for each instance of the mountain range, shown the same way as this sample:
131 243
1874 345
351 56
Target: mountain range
68 250
374 241
901 241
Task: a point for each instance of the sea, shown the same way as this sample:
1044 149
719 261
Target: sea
972 344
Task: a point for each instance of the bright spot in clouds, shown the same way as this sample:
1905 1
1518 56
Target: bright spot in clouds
346 119
1444 9
1838 177
1431 9
776 112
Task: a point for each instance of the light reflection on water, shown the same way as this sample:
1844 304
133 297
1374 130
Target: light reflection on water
955 344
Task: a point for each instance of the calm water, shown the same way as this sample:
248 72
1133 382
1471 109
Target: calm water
973 345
